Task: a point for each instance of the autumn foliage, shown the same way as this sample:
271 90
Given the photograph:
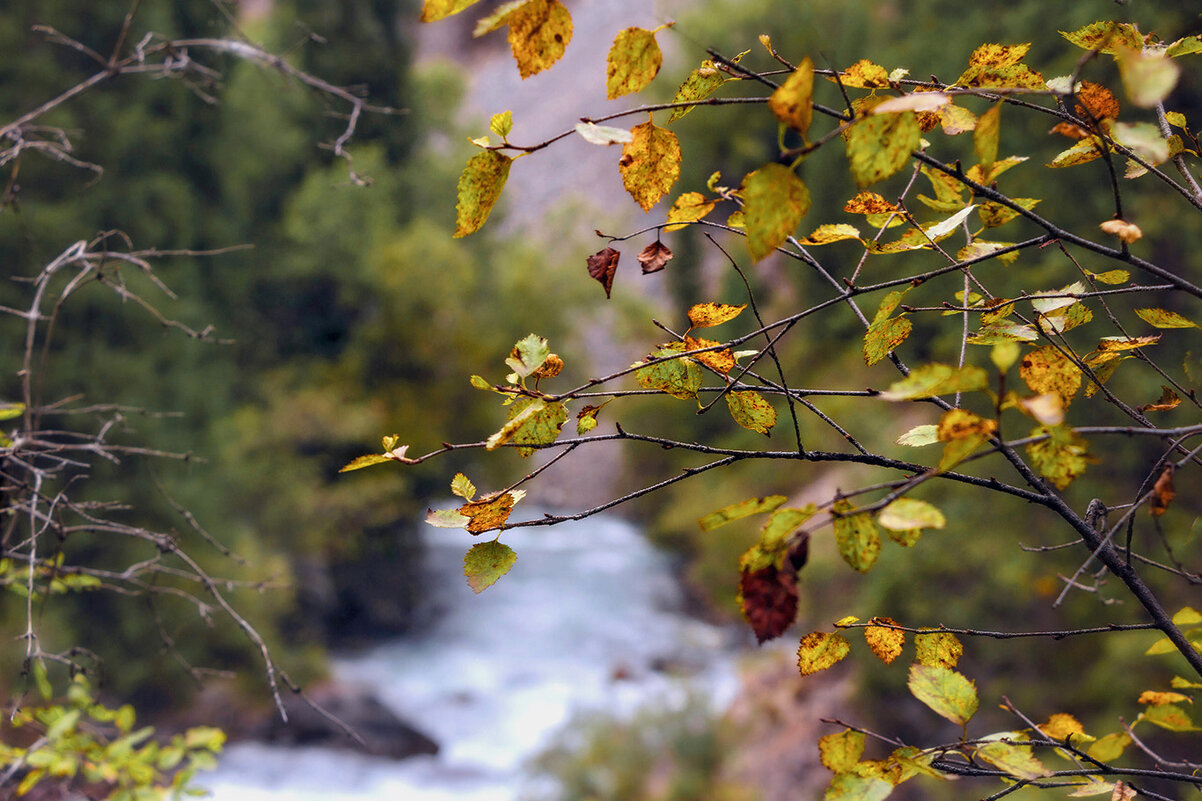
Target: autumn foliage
1040 385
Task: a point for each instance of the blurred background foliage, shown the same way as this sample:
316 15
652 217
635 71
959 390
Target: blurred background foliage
355 314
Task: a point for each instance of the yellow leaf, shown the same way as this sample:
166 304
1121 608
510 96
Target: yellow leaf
1061 725
985 137
793 102
908 513
539 32
480 187
722 361
700 84
1162 318
1062 456
956 120
1016 760
1152 698
831 232
948 693
857 537
634 60
840 752
885 642
1084 151
864 75
433 10
740 510
819 650
707 315
650 163
879 146
1048 370
938 649
689 207
775 200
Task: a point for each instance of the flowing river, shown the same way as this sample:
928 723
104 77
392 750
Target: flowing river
588 619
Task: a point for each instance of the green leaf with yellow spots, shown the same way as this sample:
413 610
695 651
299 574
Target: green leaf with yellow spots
480 187
775 200
485 562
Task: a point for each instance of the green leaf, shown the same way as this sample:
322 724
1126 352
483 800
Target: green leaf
793 101
740 510
752 411
857 536
840 752
938 649
934 379
918 436
650 163
480 187
701 83
528 355
1162 318
8 411
634 60
820 650
680 378
532 421
948 693
1015 760
880 145
848 787
907 513
782 523
433 10
884 336
360 462
485 562
1148 76
447 518
775 200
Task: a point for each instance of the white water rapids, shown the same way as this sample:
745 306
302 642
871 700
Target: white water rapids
588 619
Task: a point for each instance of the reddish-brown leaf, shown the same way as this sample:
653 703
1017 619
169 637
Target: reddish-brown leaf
602 265
768 598
654 257
1162 492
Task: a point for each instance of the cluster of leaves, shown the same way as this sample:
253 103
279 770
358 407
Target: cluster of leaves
81 742
1065 340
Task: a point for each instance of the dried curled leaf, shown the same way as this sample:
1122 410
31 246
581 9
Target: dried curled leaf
603 266
654 257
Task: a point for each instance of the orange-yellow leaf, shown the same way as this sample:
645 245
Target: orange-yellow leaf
489 512
1046 369
1062 725
864 75
831 232
885 642
723 361
1152 698
707 315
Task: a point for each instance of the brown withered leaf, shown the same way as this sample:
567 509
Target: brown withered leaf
1168 400
1096 101
1070 130
487 513
654 257
1163 492
768 599
602 265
